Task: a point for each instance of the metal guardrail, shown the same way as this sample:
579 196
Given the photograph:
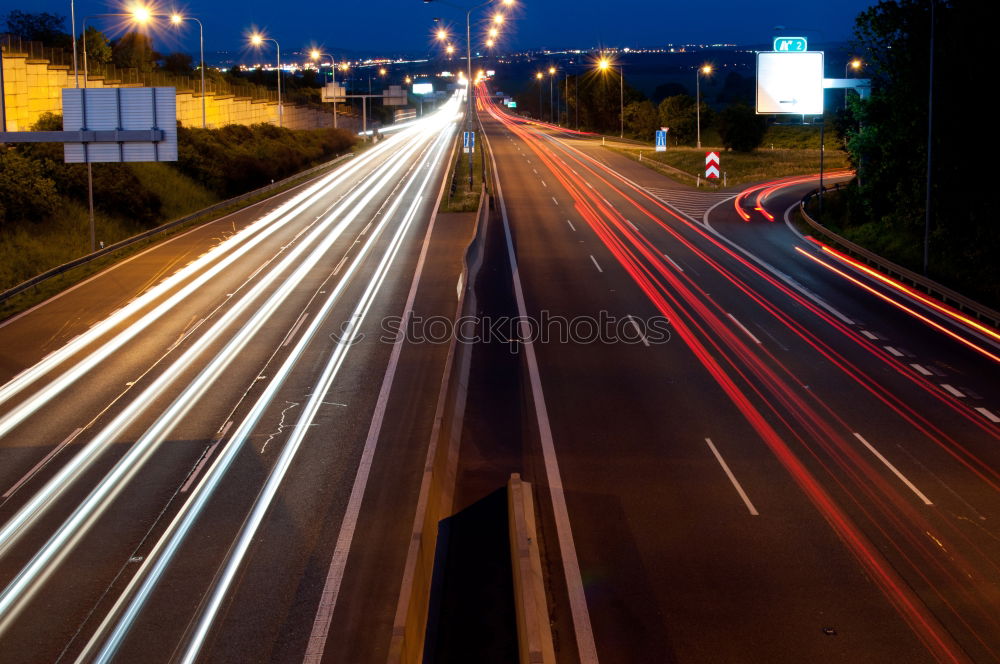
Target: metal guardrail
56 271
929 286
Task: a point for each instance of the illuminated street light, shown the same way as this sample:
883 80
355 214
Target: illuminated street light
442 34
176 19
258 40
489 43
315 54
450 50
706 70
494 33
498 18
604 65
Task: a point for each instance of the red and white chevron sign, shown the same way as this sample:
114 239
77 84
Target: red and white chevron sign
712 165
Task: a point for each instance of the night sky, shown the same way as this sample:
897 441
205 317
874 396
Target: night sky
402 26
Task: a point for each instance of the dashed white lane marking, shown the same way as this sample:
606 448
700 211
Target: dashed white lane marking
533 170
679 268
988 415
951 390
870 335
642 336
295 328
732 478
895 471
571 225
745 330
893 351
921 370
543 183
554 200
634 227
595 263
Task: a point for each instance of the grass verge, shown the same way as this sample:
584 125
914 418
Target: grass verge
69 237
459 196
740 168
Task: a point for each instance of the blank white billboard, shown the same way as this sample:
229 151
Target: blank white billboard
103 109
790 82
423 88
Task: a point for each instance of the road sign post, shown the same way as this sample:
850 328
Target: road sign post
712 165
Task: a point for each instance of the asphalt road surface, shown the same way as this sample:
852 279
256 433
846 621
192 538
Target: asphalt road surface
796 470
212 451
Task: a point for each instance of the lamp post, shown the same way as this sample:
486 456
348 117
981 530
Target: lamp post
855 64
497 20
257 40
538 77
604 64
705 69
139 15
552 112
316 55
177 19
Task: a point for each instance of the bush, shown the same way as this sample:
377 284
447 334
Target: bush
26 194
741 128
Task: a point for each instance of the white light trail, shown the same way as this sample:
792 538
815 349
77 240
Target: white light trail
225 253
22 587
156 563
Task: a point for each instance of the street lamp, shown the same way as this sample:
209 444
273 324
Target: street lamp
176 19
257 40
538 77
138 15
316 55
604 64
704 69
552 115
855 64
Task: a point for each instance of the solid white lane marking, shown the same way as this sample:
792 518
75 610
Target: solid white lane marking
595 263
745 330
894 470
679 268
295 328
893 351
988 415
571 225
41 464
554 200
870 335
583 630
922 370
732 478
642 336
951 390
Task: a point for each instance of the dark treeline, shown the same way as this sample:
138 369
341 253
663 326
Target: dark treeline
887 141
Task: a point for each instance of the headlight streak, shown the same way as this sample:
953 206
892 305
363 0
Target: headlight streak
237 246
156 563
925 626
20 589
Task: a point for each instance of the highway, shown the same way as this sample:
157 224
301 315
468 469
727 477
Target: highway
211 451
799 470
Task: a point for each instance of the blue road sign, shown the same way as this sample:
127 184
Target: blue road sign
791 44
468 141
661 140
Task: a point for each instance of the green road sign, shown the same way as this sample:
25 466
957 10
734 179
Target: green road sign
790 44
